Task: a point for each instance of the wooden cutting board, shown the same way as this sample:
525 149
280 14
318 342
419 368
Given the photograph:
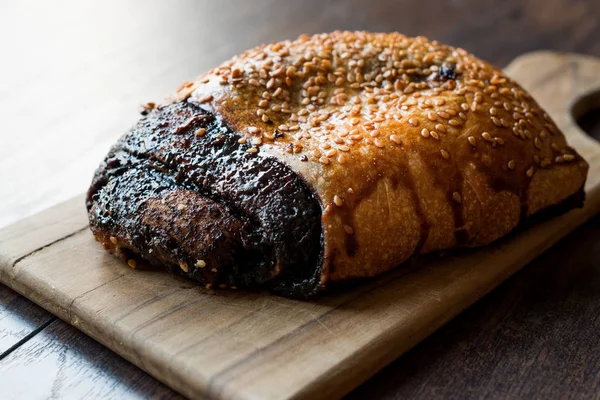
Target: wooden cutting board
239 345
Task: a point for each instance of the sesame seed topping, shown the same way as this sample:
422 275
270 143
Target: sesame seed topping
487 137
331 153
181 207
348 229
206 99
336 95
184 266
113 240
529 172
132 263
457 197
445 154
568 157
511 164
200 131
200 264
337 200
396 139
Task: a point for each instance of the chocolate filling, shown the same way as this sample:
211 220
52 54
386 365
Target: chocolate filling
179 190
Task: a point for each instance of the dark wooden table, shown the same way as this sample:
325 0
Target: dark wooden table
73 75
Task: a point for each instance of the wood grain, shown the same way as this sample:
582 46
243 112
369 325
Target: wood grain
19 320
535 337
240 345
56 364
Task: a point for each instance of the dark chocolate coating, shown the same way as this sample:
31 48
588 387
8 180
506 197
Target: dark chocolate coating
204 206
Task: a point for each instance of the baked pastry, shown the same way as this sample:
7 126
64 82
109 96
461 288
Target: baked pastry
331 157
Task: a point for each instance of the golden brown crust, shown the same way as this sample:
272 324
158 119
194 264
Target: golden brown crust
410 145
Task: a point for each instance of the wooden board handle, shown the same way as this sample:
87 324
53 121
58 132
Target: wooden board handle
566 86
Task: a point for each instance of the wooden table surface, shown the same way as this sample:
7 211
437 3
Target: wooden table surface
73 76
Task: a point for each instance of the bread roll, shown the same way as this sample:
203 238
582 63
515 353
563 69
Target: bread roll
338 156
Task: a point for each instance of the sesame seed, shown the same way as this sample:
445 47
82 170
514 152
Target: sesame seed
206 98
337 200
184 266
200 264
530 171
472 141
378 143
331 153
395 139
568 157
348 229
242 140
132 263
200 131
511 164
454 122
236 73
324 160
445 154
425 133
181 207
432 116
457 197
434 135
252 150
537 143
113 240
441 128
269 135
413 122
487 137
